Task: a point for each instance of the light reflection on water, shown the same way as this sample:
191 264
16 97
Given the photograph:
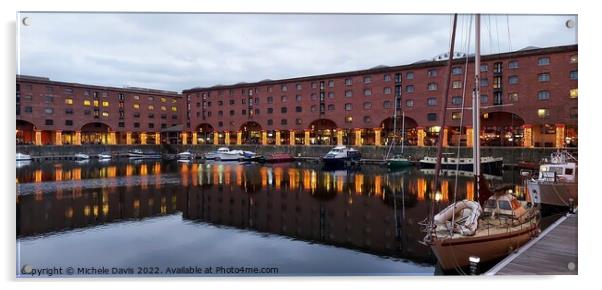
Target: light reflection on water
293 216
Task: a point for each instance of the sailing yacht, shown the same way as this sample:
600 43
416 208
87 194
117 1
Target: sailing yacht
397 161
491 227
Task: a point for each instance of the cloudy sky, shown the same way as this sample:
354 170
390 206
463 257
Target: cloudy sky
181 51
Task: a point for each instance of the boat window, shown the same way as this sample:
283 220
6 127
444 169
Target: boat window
504 204
490 203
568 171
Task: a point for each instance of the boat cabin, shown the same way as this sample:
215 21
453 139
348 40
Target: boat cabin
555 172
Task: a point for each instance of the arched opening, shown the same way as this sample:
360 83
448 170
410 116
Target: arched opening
251 132
501 129
403 127
25 133
95 133
323 132
204 134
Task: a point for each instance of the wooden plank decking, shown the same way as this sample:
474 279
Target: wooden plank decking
553 253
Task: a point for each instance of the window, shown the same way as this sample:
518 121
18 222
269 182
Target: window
136 97
231 102
151 107
314 85
283 110
313 96
49 110
283 99
367 105
151 99
95 102
151 116
387 104
331 83
456 116
243 112
543 61
283 88
457 84
313 108
431 117
573 93
457 100
409 76
387 91
121 124
431 73
431 101
573 113
136 125
30 109
270 110
151 125
348 93
484 82
299 87
69 101
543 113
348 107
221 124
232 112
49 122
484 68
573 75
136 115
163 100
163 108
283 122
367 119
331 107
330 95
348 82
484 99
367 92
543 95
497 82
513 64
410 89
105 114
497 98
545 77
298 98
270 100
497 68
431 87
387 78
136 106
457 70
220 103
513 97
348 119
105 103
367 79
573 58
409 103
27 97
298 121
49 99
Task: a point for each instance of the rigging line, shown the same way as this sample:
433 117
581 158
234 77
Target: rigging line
508 28
497 35
489 32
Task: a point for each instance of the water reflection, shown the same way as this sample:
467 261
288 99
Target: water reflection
369 210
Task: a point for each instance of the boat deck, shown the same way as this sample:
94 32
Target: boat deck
554 252
486 227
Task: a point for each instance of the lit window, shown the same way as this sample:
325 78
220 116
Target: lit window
105 103
136 97
163 108
174 109
456 115
96 103
151 107
573 58
86 102
163 100
173 101
348 119
543 113
574 93
105 114
136 106
457 84
69 101
513 97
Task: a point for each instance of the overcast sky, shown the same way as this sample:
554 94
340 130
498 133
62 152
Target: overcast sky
181 51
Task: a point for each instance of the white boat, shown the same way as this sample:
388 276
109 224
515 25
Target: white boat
556 183
81 156
104 156
23 157
139 154
490 165
225 154
341 155
185 156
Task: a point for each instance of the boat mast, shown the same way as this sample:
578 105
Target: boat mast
443 112
403 129
476 112
397 98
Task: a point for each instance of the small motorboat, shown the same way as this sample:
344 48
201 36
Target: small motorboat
250 156
81 156
139 154
278 158
23 157
225 154
185 156
104 156
556 182
341 156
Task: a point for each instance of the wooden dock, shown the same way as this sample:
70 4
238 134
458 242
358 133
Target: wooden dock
554 252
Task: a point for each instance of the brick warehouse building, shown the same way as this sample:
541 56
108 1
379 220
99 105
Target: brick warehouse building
528 98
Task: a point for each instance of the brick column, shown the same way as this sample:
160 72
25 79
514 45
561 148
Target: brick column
77 140
445 135
559 141
239 138
358 137
227 138
377 138
469 132
528 135
143 138
215 138
264 138
37 137
195 138
157 138
112 138
278 137
421 134
307 139
291 137
58 140
339 137
128 138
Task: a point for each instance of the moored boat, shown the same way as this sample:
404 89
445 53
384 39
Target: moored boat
185 156
341 156
23 157
556 183
489 165
279 157
81 156
104 156
225 154
139 154
398 162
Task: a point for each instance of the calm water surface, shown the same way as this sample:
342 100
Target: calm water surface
294 217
